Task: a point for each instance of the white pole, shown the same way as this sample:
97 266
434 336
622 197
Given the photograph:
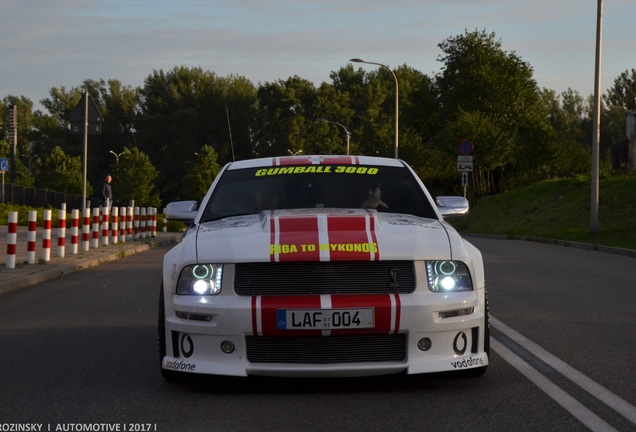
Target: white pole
596 136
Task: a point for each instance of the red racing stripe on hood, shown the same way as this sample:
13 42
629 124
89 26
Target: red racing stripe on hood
323 237
352 238
294 238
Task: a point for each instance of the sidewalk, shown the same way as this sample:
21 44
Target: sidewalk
25 274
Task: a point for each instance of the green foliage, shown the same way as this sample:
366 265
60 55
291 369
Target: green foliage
134 179
184 109
623 92
183 116
287 113
488 95
480 76
63 173
23 214
619 99
559 209
199 177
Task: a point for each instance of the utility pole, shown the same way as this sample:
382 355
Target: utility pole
13 138
596 123
86 120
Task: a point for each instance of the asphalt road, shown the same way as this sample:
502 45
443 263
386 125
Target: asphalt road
79 353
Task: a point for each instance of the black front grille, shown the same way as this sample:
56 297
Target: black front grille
326 350
333 277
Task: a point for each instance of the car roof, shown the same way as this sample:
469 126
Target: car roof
315 160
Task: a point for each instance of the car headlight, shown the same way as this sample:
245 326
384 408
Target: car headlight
448 276
200 279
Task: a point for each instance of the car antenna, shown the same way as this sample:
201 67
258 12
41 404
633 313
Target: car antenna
229 128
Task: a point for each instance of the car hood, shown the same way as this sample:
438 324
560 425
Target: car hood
320 235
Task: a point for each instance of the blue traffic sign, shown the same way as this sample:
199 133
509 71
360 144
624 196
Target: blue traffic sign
465 147
4 164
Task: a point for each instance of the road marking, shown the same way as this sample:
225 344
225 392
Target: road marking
582 413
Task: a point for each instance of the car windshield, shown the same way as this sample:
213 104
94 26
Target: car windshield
249 191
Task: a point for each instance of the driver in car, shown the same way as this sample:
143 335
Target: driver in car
373 200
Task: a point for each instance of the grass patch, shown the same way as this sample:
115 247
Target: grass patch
560 210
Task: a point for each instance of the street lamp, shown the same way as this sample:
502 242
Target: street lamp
357 60
297 152
347 133
596 123
116 155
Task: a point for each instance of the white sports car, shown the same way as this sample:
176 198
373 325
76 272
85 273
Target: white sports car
312 266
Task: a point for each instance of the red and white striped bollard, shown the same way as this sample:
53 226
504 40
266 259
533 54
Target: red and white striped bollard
12 238
46 236
105 225
122 225
95 231
31 235
115 224
61 231
74 231
86 229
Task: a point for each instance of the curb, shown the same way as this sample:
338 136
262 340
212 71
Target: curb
25 275
586 246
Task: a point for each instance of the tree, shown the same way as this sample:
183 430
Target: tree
329 131
200 175
117 105
372 101
617 102
480 76
23 150
241 107
623 92
483 86
63 173
134 178
286 114
570 149
182 110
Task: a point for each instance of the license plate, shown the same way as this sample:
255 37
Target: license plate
324 319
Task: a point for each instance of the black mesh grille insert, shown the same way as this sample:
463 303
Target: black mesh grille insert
333 277
326 350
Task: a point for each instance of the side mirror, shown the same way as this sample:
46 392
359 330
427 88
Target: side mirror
182 211
452 206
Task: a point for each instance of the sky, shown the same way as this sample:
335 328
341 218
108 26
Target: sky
60 43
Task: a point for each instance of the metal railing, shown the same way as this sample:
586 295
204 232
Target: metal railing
39 198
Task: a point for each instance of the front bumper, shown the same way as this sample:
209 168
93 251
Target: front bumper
237 336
